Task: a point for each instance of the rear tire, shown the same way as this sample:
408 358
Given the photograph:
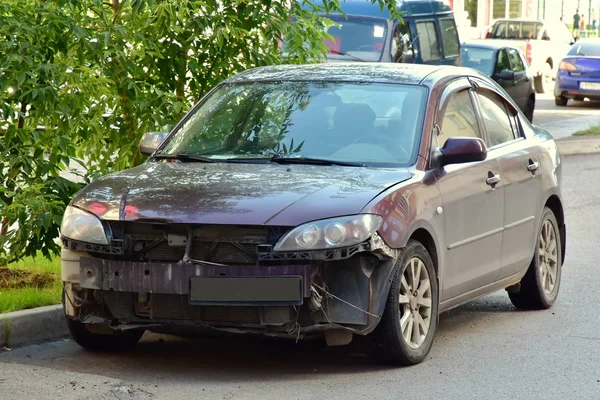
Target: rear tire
405 334
561 101
119 341
528 112
543 82
541 283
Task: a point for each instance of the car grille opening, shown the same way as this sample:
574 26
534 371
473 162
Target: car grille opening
177 307
220 252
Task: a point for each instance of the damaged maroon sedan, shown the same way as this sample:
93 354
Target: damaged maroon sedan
332 200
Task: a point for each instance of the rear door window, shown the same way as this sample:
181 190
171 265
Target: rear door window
528 31
429 47
449 37
496 119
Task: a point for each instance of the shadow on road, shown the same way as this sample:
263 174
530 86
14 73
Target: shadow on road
245 358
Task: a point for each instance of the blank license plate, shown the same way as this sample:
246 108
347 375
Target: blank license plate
590 85
246 290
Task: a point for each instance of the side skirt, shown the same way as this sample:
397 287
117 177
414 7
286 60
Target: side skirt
482 291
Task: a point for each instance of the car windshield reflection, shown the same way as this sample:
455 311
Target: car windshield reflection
353 123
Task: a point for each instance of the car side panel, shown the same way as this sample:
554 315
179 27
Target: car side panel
473 221
522 205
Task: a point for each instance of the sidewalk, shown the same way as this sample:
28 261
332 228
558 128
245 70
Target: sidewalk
565 128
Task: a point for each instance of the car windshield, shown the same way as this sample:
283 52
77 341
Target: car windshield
369 124
359 37
478 58
354 38
584 49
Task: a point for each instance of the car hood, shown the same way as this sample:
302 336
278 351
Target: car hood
241 194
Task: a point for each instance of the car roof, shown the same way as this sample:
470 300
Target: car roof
519 20
346 71
414 74
410 7
493 44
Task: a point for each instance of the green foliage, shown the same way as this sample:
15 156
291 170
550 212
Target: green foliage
82 80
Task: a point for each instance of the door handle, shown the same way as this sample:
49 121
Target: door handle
533 166
492 179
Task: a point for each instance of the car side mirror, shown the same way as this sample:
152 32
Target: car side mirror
506 75
460 150
150 142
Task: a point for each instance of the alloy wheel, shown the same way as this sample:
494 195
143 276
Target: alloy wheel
548 253
415 303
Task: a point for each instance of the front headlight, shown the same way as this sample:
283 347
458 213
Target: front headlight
82 225
330 233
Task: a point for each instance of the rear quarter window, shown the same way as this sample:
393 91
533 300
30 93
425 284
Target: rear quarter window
429 47
449 37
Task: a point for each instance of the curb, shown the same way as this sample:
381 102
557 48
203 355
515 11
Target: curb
575 147
37 324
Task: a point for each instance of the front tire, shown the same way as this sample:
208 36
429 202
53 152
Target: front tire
118 341
405 334
540 285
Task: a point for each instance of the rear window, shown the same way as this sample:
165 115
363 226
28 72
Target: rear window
585 49
516 30
428 41
478 58
449 37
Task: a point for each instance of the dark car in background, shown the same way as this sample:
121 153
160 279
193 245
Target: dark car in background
506 65
578 75
544 43
325 200
427 34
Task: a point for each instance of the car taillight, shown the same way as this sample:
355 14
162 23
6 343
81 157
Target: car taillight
566 66
528 53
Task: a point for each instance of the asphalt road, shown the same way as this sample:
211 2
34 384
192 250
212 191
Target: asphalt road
561 122
546 111
484 350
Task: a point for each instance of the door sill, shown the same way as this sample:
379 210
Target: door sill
482 291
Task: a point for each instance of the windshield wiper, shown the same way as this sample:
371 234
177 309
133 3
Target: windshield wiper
343 53
183 156
295 160
313 161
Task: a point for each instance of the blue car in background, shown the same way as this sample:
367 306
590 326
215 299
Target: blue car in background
578 74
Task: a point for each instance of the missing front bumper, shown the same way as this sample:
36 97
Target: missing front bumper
204 284
329 295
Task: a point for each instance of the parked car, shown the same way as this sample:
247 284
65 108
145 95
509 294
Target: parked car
544 44
578 74
507 66
326 199
427 34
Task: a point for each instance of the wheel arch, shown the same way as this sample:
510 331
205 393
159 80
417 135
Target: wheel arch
553 203
423 236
